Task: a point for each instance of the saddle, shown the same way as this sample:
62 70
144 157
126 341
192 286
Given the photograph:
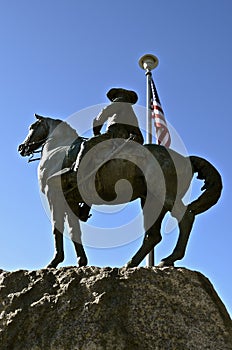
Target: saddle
72 152
92 172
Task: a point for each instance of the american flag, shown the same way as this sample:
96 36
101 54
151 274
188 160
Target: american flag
162 132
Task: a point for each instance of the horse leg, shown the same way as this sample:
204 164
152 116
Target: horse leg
152 234
185 227
82 258
151 239
57 218
75 235
59 246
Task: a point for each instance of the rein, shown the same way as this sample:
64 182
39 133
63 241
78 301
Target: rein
40 143
32 154
32 159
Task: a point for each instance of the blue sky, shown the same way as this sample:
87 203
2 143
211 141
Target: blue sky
60 57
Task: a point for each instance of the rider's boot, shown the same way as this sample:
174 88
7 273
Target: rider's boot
84 210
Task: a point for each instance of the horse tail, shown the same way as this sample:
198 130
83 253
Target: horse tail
212 186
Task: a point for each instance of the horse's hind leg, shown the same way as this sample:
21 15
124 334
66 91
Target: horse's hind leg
185 227
152 233
151 239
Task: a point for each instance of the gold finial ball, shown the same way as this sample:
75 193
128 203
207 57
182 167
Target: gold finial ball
148 62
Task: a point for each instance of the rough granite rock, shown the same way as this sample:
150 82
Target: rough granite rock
95 308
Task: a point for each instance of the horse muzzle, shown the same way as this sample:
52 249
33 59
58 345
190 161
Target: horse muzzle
24 150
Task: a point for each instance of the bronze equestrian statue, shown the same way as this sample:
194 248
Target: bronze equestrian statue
158 176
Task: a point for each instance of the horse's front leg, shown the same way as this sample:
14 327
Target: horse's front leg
59 247
75 235
56 203
81 256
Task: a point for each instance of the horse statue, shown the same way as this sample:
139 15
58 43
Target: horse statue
158 176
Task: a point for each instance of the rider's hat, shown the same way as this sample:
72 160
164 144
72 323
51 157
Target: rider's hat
122 95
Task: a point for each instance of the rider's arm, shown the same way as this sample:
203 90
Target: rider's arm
100 119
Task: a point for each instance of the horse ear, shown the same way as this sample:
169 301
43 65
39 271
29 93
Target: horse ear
38 116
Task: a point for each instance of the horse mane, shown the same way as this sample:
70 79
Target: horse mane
66 127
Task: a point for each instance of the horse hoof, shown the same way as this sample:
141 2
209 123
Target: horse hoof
52 265
129 265
56 261
82 261
164 263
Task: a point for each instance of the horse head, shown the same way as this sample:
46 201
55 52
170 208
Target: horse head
38 134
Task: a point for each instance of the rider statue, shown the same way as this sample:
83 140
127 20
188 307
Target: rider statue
121 123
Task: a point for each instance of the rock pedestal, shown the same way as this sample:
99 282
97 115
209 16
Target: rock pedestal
103 308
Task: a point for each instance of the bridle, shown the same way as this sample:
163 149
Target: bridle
31 153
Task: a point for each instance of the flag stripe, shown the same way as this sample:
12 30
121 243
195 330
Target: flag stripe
160 122
162 132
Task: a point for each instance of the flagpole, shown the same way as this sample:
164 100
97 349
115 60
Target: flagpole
148 109
148 62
